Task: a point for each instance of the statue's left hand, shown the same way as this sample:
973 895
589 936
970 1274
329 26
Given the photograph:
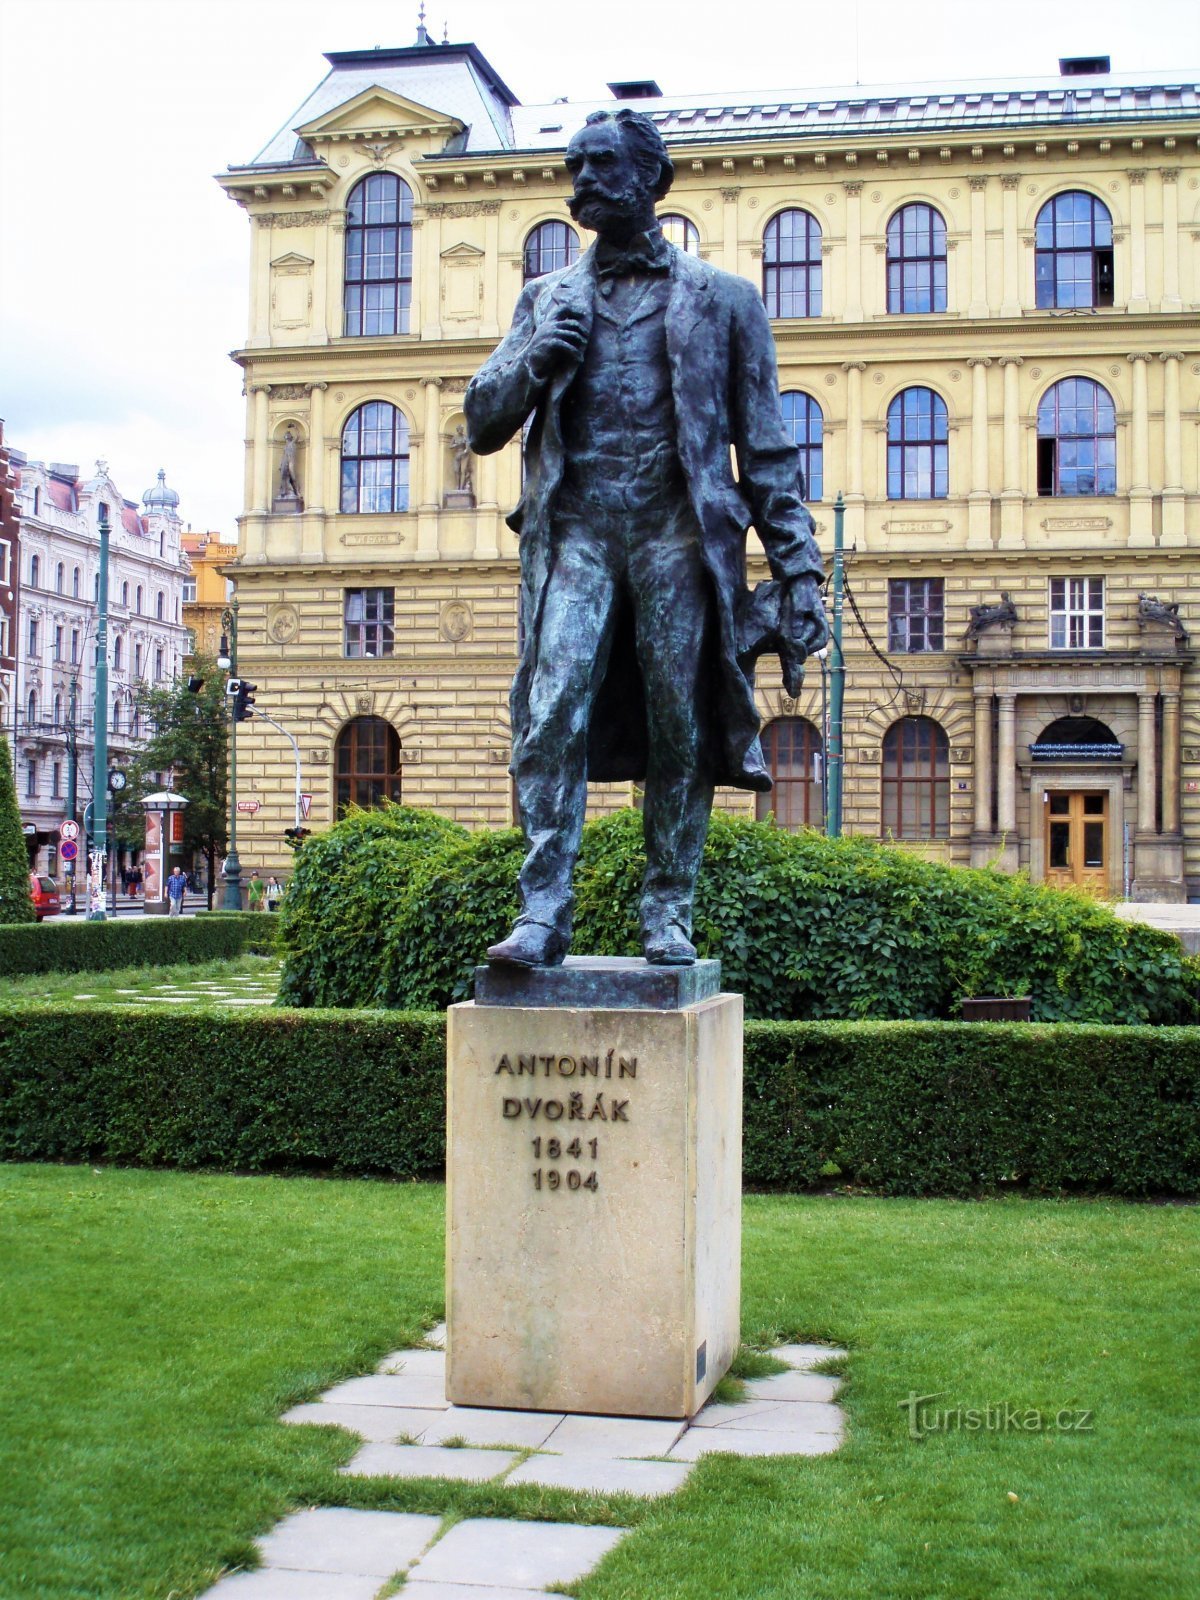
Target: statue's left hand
803 620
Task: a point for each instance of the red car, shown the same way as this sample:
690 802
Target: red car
44 892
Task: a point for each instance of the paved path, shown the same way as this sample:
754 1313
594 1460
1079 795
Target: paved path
410 1430
1181 920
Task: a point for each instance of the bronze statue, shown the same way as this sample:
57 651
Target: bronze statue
985 616
642 366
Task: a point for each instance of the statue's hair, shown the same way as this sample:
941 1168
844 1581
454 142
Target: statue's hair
644 140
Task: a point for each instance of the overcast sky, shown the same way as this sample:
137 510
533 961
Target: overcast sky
124 267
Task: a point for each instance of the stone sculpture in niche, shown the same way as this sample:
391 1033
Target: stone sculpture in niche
1166 613
462 495
642 366
288 498
984 617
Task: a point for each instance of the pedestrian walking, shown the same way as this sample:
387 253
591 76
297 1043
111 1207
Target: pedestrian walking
258 891
274 893
176 887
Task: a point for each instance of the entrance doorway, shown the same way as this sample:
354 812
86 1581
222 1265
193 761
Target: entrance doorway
1077 839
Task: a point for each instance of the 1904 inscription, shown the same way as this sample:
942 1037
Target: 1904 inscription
575 1105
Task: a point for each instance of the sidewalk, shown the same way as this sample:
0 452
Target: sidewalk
1183 920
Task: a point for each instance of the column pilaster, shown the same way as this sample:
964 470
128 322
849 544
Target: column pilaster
431 469
855 504
979 504
983 762
729 228
1147 786
853 278
1173 502
262 449
1010 302
1170 762
979 296
1137 241
1171 300
1012 499
1006 768
1141 524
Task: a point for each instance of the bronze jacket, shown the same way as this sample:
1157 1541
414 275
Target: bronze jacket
726 393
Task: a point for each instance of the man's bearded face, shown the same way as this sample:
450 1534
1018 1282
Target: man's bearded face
611 196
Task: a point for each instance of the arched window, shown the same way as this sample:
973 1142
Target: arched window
35 571
378 279
160 605
916 780
1073 257
1077 439
31 707
367 764
118 652
60 574
803 419
918 451
548 248
795 759
116 726
916 260
792 265
58 710
375 459
138 600
125 595
75 583
679 231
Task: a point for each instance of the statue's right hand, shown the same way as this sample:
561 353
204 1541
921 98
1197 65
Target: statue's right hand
559 342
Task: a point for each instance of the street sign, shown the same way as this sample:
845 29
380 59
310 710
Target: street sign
305 805
248 805
68 850
68 830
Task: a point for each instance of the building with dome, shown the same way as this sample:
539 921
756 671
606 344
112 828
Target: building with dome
985 299
50 716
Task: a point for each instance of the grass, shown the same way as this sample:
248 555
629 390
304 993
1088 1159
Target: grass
155 1326
195 986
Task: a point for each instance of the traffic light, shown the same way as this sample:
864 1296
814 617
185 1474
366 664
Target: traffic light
296 836
243 698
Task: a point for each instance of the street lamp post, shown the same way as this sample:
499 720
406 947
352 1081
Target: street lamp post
227 660
96 912
837 681
71 909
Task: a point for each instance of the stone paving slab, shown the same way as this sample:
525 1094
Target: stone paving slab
524 1429
272 1583
793 1386
808 1355
602 1475
437 1336
416 1390
470 1591
378 1424
698 1442
614 1436
369 1543
428 1461
415 1364
521 1555
773 1416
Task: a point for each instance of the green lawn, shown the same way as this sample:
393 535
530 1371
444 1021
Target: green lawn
156 1324
200 986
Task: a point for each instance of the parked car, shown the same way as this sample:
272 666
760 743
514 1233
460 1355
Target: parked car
45 895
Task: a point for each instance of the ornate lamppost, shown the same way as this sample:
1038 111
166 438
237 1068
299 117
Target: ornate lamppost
96 909
227 661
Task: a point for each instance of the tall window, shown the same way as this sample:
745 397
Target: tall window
803 419
916 260
916 780
160 605
137 660
125 595
792 265
118 652
60 573
680 232
75 646
33 636
375 459
75 583
370 623
31 707
1073 255
916 617
35 571
58 716
367 763
1076 613
158 662
378 279
58 642
548 248
189 591
56 780
138 600
918 448
795 759
31 781
1077 439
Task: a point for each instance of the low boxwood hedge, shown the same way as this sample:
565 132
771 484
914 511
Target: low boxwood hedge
260 929
82 946
902 1108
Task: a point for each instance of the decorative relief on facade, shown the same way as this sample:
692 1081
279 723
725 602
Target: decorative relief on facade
291 219
457 621
364 704
929 525
356 538
1076 524
463 208
283 623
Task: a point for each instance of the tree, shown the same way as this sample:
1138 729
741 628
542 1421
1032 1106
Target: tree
16 903
190 737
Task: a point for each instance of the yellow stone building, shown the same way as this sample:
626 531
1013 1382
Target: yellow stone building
207 590
986 305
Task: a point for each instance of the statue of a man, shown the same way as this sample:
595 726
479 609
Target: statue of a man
288 487
460 448
642 366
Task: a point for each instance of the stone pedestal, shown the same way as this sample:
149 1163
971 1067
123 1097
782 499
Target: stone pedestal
287 504
594 1189
459 500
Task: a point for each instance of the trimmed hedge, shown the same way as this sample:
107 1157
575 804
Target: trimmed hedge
82 946
260 929
903 1108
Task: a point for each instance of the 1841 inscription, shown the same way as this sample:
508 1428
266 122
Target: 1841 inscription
578 1105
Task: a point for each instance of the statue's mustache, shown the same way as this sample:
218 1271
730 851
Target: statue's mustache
624 199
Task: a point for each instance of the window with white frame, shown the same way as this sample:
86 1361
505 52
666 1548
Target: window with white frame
1076 613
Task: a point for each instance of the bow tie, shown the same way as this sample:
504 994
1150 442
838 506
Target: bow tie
648 252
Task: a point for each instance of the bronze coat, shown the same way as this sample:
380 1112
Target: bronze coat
726 393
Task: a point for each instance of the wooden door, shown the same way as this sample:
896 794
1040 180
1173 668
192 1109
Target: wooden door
1077 839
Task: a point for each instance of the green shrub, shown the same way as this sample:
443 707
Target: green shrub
260 929
16 902
84 946
342 899
903 1108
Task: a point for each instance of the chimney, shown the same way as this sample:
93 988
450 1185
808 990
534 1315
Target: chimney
636 89
1084 66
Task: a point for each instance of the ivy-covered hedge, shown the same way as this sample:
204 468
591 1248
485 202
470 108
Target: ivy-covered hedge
903 1108
82 946
397 909
260 929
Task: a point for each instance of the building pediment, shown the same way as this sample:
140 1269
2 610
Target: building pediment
292 259
462 252
377 113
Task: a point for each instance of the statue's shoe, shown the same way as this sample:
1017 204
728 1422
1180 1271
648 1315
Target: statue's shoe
668 946
530 944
